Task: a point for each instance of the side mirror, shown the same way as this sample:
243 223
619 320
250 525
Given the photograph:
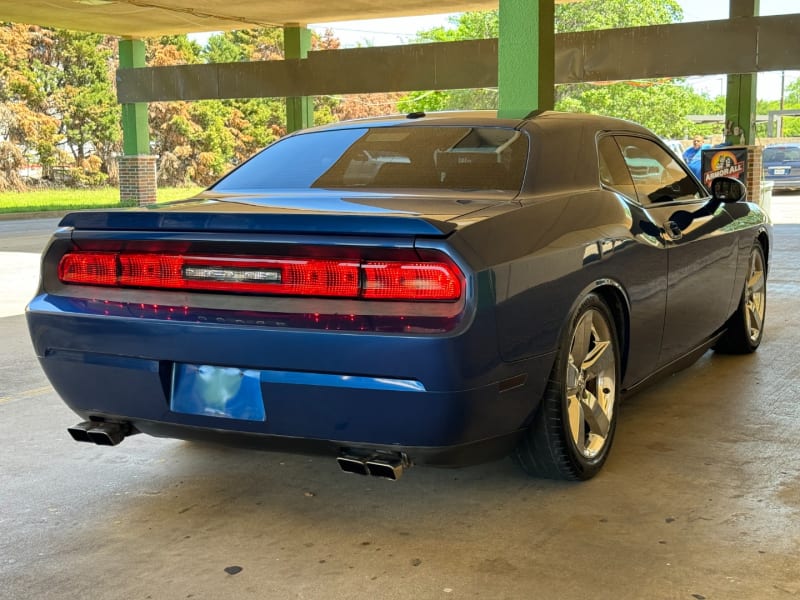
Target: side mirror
727 189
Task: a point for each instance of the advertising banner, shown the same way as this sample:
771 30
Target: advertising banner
724 162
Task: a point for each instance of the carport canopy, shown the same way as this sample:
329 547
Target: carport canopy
150 18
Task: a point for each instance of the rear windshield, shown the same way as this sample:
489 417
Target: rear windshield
782 154
461 158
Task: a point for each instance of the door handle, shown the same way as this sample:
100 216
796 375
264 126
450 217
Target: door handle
672 231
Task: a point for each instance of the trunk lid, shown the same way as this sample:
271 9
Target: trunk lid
318 211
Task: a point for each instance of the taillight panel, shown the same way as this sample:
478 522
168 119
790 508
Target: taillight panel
435 280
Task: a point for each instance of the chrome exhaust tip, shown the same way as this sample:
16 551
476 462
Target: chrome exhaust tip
107 434
80 432
100 432
387 468
386 465
353 464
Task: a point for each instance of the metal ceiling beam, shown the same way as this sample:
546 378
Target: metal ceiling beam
743 45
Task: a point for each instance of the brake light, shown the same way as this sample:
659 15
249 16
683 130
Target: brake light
339 278
413 281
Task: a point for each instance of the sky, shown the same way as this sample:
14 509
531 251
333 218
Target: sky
387 32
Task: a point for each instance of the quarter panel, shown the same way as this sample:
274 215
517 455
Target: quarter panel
545 256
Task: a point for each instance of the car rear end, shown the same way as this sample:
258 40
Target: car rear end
297 336
316 299
781 164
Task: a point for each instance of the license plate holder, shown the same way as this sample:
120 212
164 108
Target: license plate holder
213 391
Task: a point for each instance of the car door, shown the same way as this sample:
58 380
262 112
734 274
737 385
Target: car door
700 247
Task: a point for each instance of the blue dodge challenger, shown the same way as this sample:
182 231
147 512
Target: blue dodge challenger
437 289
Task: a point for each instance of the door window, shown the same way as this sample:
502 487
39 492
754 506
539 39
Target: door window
656 177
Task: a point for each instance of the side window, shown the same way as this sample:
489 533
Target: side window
656 176
613 170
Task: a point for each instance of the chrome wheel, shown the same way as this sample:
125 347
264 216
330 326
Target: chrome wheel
591 383
573 429
745 327
755 295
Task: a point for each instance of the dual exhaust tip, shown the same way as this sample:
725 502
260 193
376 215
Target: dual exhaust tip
100 432
388 466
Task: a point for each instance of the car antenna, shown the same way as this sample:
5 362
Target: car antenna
532 114
415 115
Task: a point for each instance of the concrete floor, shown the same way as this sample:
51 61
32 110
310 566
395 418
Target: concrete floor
699 499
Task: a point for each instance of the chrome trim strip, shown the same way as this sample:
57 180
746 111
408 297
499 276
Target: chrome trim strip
341 381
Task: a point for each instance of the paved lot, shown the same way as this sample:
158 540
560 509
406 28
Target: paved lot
700 498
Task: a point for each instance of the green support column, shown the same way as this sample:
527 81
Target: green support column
137 167
526 57
740 102
135 129
299 109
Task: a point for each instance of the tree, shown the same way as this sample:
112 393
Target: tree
790 124
792 95
662 106
80 70
589 15
58 93
655 104
195 141
26 120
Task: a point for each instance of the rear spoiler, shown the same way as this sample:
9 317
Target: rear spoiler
383 225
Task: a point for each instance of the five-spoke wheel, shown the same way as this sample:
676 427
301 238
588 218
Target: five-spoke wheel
746 326
573 429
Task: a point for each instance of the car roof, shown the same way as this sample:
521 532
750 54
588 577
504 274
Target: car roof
487 118
562 150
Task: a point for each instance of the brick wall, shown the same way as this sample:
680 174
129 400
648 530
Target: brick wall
754 168
137 179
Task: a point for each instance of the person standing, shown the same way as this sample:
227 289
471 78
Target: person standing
692 156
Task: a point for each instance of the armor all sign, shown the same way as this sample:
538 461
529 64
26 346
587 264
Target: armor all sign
724 162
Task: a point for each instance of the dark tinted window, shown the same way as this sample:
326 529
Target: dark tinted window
613 170
779 154
481 158
656 175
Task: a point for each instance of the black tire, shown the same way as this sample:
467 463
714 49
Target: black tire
745 327
568 439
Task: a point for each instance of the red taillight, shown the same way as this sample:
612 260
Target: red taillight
94 269
412 281
340 278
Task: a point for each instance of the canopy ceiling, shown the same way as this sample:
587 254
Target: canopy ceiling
149 18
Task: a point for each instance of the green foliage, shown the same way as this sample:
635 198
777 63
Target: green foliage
78 75
661 105
589 15
58 106
57 91
200 141
470 99
466 26
793 93
222 48
424 101
791 124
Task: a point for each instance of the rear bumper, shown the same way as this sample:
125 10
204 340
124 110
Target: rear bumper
456 455
784 183
441 399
